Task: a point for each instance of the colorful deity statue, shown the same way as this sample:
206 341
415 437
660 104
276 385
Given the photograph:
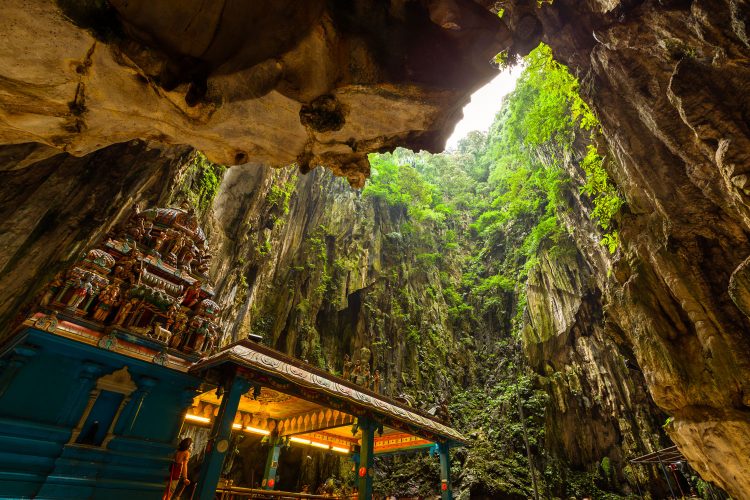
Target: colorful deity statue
356 372
126 309
347 369
375 385
148 278
52 289
192 294
108 298
82 288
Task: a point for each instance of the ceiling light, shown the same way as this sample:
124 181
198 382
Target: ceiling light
257 431
197 418
339 449
295 439
319 445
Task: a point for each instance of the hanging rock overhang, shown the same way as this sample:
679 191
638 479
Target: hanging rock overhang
278 82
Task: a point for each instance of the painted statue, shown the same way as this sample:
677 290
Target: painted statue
192 294
81 289
347 367
125 310
107 300
375 387
355 372
52 288
161 334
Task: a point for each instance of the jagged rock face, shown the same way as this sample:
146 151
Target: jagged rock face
53 209
278 82
590 375
669 82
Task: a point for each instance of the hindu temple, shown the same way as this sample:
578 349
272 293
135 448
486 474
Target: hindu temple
126 348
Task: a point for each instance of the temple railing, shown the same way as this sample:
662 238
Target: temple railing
232 492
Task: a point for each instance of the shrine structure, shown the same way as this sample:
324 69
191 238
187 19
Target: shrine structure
121 351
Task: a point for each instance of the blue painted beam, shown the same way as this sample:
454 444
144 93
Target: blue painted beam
446 490
218 443
272 462
365 471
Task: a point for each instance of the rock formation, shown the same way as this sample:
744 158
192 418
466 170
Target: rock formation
669 82
667 78
312 83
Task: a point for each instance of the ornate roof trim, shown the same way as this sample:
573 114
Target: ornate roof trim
258 357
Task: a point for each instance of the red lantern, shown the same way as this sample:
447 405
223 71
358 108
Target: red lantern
444 486
362 471
271 482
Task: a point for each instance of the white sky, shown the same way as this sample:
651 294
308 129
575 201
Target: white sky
485 103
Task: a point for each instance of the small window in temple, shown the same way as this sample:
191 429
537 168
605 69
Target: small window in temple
100 418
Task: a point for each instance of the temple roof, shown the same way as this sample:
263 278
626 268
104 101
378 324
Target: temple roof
254 359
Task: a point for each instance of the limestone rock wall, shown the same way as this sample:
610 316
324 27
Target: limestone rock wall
319 274
278 82
669 83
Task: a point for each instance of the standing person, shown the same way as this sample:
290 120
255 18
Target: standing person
178 470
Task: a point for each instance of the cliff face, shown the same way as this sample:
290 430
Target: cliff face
669 83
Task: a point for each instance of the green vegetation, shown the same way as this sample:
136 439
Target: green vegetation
432 276
279 196
473 223
201 181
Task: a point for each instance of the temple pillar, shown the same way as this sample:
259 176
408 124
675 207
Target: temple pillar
10 367
70 413
218 442
272 462
366 459
446 491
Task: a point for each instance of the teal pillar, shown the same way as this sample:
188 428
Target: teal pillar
22 354
218 443
272 462
366 456
446 491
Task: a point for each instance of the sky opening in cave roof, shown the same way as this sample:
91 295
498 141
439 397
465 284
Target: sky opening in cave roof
484 105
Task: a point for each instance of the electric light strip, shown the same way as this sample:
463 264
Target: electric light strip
197 418
257 431
324 446
236 426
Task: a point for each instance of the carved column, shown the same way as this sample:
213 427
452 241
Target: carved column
11 366
272 461
87 375
366 456
186 401
145 384
111 431
81 421
446 490
218 443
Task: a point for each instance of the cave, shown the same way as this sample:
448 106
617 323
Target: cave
568 289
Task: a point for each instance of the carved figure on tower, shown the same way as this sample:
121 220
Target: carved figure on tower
82 288
148 278
347 369
108 298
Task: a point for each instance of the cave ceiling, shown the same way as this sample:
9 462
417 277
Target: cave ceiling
277 81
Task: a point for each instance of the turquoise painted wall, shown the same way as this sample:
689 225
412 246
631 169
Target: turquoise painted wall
45 382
